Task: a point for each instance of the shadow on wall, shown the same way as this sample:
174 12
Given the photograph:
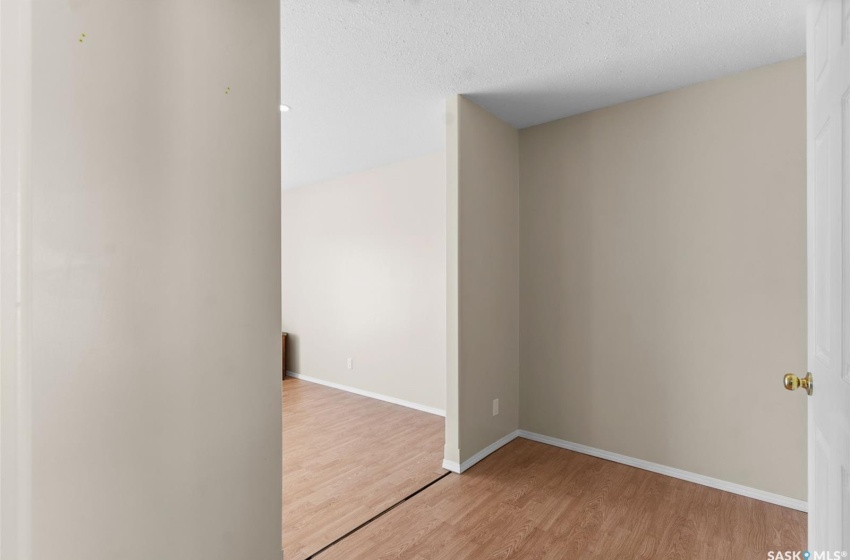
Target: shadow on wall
292 360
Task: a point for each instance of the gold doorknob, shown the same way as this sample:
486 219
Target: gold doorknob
793 382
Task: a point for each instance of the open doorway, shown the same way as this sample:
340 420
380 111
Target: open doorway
363 247
364 311
364 307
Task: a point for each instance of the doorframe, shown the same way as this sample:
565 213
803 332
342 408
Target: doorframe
15 275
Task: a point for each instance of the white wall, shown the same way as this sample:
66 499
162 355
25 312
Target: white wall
156 263
363 277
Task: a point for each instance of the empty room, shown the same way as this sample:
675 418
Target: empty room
424 280
580 233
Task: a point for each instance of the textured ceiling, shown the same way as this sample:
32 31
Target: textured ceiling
366 79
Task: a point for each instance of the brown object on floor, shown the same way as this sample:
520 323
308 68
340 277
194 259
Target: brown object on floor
283 353
537 502
347 458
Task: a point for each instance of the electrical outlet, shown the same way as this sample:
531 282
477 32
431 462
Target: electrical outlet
495 407
350 363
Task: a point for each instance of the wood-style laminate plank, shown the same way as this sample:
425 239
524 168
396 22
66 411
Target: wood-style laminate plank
347 458
533 501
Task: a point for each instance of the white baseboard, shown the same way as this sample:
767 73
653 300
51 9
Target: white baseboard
739 489
370 394
451 466
464 466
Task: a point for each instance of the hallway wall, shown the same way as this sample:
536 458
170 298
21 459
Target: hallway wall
155 255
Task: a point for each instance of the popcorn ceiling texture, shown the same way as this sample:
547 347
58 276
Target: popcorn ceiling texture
367 79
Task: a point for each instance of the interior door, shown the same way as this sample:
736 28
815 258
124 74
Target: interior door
828 77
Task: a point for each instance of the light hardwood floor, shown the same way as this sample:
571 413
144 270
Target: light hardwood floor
537 502
346 459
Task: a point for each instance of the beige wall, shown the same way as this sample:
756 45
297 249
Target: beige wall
155 280
451 453
663 278
364 266
483 184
